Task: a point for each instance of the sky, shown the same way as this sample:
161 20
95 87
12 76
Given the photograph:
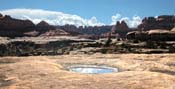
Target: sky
87 12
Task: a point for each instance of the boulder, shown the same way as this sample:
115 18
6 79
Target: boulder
161 35
131 35
173 30
137 35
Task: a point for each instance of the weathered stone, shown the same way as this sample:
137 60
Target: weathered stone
121 29
161 22
137 35
161 35
1 15
154 35
13 27
173 29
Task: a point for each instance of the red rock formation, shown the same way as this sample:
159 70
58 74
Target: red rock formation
120 26
153 35
8 23
161 35
161 22
10 27
87 30
43 24
120 29
13 27
57 32
1 15
32 33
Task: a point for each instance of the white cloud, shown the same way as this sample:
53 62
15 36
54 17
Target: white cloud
52 17
60 18
134 22
115 18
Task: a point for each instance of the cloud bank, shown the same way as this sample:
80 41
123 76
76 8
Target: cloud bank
52 17
134 22
60 18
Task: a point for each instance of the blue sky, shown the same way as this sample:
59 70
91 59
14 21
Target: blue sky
103 10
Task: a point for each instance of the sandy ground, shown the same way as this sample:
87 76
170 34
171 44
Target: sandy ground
138 71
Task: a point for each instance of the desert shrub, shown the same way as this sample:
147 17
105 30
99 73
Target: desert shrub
151 44
135 41
104 50
107 43
172 49
124 45
162 45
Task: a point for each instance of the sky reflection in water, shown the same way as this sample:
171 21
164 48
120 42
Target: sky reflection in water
93 70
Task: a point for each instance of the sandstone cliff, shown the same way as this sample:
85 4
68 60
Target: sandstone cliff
10 27
152 35
13 27
121 29
161 22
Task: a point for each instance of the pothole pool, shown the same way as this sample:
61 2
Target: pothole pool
92 69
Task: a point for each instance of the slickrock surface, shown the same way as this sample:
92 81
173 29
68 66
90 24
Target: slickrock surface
138 71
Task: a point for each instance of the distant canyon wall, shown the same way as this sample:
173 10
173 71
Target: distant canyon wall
10 27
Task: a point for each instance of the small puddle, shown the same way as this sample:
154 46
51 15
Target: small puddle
92 69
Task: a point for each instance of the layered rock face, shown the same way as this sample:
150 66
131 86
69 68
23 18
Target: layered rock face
55 32
90 30
44 26
161 22
10 27
73 30
152 35
121 29
45 29
13 27
155 29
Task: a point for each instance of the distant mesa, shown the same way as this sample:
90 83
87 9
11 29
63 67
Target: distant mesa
43 24
14 27
44 27
10 27
7 17
86 30
161 22
161 28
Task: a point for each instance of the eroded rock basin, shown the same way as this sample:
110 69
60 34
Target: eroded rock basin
92 69
136 71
